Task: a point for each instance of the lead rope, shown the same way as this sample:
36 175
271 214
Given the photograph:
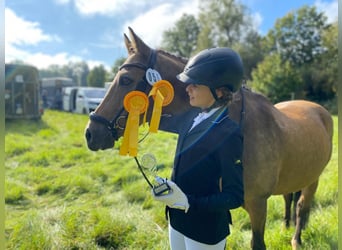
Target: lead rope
142 172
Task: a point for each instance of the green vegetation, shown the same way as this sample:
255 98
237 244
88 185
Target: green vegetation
296 58
60 195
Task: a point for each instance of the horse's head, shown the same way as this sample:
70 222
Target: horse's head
108 122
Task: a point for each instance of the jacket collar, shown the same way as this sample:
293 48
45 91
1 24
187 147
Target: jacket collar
218 116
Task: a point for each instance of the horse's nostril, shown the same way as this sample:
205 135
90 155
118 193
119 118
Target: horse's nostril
88 135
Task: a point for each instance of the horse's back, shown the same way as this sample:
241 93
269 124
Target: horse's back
306 108
308 113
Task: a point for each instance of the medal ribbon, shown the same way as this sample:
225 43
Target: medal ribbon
162 93
135 103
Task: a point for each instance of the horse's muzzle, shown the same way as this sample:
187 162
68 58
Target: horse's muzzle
98 140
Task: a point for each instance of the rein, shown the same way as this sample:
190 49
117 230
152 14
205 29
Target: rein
242 112
114 125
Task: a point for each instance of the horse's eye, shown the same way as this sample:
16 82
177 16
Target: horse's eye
124 80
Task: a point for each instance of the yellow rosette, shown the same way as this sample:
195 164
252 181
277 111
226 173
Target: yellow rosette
135 103
162 93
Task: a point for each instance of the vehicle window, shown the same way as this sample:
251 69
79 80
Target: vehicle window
95 93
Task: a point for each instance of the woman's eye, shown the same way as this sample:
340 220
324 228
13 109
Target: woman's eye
124 80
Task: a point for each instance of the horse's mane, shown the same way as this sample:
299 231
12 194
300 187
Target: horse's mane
178 58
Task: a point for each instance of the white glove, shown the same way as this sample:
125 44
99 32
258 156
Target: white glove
175 198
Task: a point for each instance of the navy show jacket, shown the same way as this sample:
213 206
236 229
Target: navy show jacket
208 169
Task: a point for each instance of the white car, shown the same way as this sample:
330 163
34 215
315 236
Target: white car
82 100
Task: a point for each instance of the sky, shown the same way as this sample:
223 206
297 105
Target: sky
43 33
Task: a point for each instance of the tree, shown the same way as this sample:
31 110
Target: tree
17 61
321 75
53 70
204 41
227 23
297 37
116 66
182 38
223 23
303 39
80 71
276 79
330 58
251 52
97 77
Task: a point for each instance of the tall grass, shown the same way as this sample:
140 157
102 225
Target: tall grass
60 195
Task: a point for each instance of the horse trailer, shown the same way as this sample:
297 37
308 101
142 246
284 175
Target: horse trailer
52 91
22 92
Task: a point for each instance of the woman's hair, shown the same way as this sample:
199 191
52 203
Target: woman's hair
226 98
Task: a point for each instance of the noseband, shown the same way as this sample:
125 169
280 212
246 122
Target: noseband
114 125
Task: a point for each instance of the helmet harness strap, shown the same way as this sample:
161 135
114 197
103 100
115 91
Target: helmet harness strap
213 91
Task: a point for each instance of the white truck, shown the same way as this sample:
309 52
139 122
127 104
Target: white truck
82 100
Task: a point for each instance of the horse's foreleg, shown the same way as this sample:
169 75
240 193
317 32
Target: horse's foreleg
257 209
302 213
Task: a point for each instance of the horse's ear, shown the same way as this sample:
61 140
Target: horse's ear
129 45
138 44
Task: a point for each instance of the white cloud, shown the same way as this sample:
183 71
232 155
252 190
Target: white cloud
110 8
43 61
330 9
105 7
38 59
88 7
21 32
151 25
257 21
151 19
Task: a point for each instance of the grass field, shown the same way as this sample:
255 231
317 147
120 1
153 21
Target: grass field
60 195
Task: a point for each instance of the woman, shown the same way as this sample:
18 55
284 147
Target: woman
207 175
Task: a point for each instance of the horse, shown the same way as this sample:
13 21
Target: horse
286 146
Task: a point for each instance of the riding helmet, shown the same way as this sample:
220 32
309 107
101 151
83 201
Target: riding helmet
215 67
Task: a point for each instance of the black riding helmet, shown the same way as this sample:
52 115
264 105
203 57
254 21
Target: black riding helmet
215 67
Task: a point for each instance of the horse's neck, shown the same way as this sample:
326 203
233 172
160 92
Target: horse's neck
249 104
237 108
255 109
169 66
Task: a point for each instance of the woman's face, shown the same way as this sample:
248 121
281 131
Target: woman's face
200 96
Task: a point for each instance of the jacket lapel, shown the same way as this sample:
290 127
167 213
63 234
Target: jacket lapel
187 137
207 123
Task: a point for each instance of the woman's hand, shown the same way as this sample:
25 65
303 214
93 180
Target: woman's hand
175 198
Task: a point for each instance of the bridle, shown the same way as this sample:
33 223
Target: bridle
113 125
